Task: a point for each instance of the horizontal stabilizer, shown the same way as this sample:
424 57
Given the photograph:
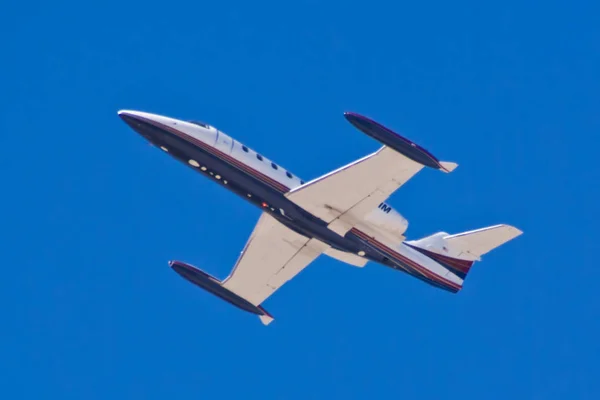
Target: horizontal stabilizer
459 252
480 241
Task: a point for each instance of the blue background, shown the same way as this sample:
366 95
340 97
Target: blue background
91 213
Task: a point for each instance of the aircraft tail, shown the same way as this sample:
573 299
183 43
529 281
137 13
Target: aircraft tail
474 244
458 252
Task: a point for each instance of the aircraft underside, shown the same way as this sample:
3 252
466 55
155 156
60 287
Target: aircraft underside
262 195
342 214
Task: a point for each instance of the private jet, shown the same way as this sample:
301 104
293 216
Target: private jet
343 214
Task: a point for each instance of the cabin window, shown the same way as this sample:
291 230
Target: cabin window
273 165
244 148
259 157
301 182
199 123
289 175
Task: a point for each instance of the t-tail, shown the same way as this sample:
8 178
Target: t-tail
458 252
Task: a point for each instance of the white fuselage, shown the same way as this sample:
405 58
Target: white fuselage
383 219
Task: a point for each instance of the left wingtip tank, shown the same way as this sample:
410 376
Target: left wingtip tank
399 143
215 287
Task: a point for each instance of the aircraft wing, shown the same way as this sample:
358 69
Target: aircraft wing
273 255
344 197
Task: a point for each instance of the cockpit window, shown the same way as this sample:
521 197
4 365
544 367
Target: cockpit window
200 123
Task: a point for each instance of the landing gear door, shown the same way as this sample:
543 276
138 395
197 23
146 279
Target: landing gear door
224 143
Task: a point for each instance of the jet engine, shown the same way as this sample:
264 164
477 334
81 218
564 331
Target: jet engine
386 219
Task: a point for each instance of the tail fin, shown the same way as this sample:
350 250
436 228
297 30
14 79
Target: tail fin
458 252
472 245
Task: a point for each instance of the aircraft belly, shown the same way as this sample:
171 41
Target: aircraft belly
261 190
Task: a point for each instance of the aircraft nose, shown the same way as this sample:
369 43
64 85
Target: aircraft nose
140 117
129 113
131 118
150 126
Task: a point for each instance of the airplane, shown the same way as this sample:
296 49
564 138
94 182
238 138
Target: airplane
342 214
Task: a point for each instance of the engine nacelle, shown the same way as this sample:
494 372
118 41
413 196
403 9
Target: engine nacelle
387 219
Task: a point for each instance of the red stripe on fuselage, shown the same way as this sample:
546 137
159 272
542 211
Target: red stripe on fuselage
461 265
419 268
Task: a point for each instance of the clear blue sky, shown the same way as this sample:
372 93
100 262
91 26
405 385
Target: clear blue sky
91 213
